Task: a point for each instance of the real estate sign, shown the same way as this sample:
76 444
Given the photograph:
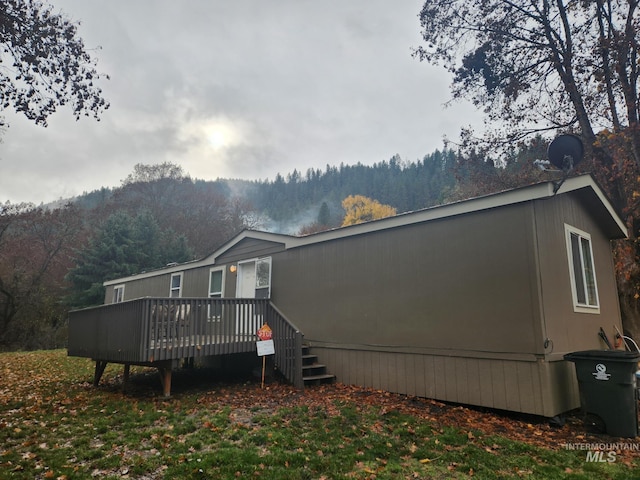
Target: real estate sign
265 345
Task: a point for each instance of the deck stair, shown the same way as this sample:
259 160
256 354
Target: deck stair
314 373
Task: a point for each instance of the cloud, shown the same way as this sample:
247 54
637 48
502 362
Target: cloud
289 84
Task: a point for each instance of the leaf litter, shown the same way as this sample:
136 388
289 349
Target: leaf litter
44 391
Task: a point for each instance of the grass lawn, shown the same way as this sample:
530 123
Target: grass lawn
55 424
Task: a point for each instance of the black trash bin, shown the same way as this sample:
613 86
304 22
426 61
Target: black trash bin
607 383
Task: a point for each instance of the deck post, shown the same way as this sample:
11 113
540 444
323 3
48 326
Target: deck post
298 380
125 375
165 377
100 366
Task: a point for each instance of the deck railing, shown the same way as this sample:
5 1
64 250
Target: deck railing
152 330
287 340
110 332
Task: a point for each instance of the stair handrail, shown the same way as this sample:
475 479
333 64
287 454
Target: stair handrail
288 346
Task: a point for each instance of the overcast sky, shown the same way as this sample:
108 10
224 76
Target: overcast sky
237 89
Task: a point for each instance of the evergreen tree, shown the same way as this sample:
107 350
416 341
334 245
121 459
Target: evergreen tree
324 215
125 245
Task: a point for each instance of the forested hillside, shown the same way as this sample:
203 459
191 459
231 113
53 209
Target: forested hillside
288 203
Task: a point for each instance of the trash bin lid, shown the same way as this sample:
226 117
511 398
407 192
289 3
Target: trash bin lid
609 355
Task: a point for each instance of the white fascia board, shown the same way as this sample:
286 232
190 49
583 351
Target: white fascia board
584 181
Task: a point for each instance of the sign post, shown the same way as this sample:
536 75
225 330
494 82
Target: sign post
265 346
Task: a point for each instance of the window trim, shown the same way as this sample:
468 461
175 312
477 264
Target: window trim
256 288
267 286
116 289
172 289
577 305
217 269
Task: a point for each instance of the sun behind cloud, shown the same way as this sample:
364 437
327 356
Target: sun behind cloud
206 134
218 138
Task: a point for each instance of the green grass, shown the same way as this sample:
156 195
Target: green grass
55 424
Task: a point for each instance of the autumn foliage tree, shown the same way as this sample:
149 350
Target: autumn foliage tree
539 65
621 174
360 209
36 248
45 63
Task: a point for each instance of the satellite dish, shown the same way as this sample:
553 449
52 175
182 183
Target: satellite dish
565 152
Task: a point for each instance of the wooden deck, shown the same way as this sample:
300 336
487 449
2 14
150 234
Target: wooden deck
161 332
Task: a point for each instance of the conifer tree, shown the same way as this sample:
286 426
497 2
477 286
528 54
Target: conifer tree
125 245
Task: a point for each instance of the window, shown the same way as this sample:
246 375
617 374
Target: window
175 290
263 277
216 283
216 290
582 271
263 273
118 294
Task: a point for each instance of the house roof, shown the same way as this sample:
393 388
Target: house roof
584 186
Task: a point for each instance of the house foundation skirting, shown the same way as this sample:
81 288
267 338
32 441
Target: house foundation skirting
535 386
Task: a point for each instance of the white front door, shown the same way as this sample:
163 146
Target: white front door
245 288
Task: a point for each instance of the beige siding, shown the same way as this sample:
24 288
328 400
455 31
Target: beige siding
157 286
249 248
464 283
108 294
503 384
196 282
567 330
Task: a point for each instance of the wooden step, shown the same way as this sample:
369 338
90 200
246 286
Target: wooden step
314 369
317 379
309 359
314 373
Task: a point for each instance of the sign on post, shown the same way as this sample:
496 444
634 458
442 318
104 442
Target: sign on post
265 346
264 332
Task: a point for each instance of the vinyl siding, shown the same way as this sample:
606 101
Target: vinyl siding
521 386
463 283
249 248
569 330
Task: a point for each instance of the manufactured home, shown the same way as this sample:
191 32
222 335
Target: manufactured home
474 302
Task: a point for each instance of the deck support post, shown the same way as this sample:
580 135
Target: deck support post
100 366
125 376
165 377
